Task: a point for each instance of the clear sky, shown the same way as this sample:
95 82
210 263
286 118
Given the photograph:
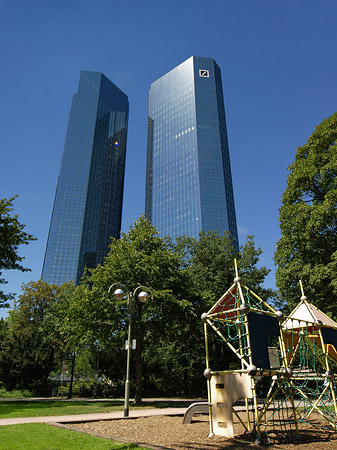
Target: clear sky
279 66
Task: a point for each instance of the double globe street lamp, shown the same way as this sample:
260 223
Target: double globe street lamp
142 293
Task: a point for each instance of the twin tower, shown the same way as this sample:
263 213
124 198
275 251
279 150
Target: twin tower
188 175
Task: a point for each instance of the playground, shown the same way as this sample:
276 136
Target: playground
285 370
281 392
169 433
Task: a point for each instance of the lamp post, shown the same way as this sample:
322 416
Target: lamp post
142 295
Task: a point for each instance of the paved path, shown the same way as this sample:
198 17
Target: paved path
93 417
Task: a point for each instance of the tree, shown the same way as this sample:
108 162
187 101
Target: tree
72 329
186 279
140 257
210 263
211 271
33 342
11 237
307 249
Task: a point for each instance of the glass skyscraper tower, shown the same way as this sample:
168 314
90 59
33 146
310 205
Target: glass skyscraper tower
189 182
88 201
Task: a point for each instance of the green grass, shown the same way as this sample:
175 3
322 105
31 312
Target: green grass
26 408
47 437
14 409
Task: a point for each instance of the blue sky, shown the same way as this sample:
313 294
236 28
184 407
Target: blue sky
278 62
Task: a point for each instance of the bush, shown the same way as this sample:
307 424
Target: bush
88 388
15 394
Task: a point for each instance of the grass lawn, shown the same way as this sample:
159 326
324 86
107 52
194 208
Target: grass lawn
12 409
47 437
55 408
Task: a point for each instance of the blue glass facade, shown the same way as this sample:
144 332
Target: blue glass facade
189 182
88 202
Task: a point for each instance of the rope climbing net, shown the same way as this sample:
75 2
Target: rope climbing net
284 368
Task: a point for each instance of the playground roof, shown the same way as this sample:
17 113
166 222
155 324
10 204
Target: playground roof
307 312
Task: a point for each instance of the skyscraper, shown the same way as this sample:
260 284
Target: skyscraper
189 182
88 201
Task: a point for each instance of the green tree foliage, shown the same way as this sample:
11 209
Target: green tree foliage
11 237
307 249
140 257
185 279
211 271
33 344
210 264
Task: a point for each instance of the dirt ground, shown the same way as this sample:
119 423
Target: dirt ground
169 432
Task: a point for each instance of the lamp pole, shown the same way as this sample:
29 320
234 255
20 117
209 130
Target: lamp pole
142 295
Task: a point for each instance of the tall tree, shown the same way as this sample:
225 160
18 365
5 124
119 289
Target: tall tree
307 249
33 341
140 258
211 271
11 237
210 264
185 280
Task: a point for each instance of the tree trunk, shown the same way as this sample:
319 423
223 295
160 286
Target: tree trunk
70 393
97 372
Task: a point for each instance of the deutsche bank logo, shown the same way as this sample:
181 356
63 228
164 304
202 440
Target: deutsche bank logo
204 73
